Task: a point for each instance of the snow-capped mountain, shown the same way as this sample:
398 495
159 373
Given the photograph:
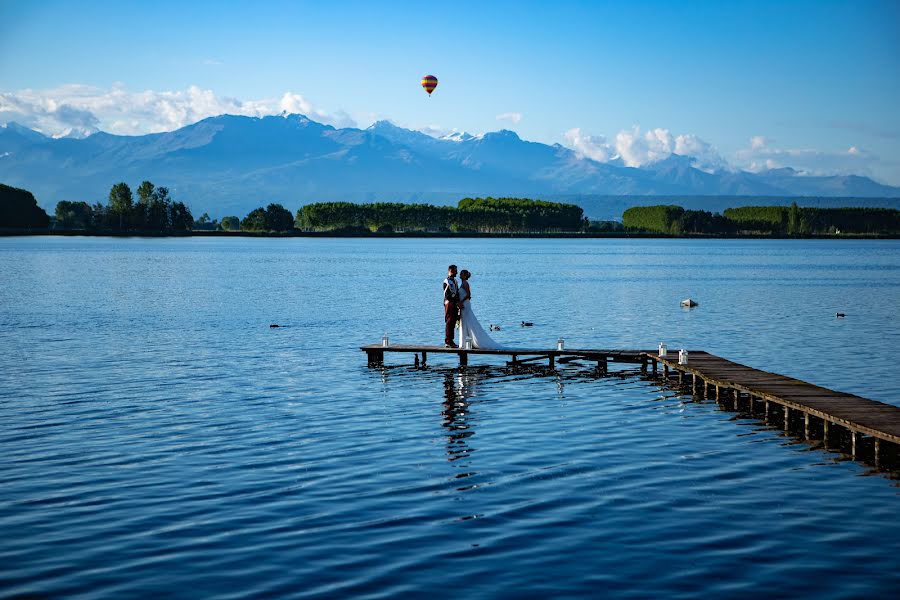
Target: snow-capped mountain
231 164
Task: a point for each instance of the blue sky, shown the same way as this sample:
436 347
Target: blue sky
814 85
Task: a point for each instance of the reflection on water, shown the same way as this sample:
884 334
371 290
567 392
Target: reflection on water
157 419
458 388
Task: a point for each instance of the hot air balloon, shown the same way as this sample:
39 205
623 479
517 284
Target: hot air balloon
429 82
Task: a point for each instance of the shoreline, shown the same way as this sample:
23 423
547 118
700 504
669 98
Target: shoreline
436 235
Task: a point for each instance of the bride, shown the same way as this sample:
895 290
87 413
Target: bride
468 322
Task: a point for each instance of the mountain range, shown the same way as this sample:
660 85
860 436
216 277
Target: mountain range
232 164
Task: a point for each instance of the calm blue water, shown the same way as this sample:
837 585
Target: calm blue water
159 439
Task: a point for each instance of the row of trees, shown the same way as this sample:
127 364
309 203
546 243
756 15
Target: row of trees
483 215
796 220
20 210
154 212
763 220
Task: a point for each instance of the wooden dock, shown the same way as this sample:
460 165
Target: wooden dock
866 429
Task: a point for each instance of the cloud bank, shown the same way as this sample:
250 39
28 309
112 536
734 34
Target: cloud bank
635 148
80 110
762 154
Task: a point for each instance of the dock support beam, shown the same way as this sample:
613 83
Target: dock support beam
853 442
375 357
806 426
877 454
601 366
787 418
552 361
655 367
825 424
463 359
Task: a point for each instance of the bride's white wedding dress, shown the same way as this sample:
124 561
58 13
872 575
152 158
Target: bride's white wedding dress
470 327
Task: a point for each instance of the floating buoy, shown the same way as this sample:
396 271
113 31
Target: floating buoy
527 324
689 303
273 326
840 315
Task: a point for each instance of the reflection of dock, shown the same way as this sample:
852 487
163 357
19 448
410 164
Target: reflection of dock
866 429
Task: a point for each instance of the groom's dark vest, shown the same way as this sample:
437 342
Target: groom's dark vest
451 290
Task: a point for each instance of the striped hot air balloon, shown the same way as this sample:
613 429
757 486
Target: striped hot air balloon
429 82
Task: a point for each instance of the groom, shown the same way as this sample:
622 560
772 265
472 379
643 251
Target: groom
451 306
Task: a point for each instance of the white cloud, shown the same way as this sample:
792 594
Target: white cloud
512 117
594 147
636 149
763 154
81 110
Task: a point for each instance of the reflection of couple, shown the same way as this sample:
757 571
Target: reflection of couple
458 307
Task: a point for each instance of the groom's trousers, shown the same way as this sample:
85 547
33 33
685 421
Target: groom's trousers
451 316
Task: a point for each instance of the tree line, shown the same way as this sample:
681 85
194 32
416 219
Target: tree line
153 212
763 220
479 215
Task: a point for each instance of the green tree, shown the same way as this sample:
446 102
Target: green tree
181 218
145 192
73 215
121 202
255 221
794 219
231 223
278 218
19 209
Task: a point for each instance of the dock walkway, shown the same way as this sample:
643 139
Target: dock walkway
825 414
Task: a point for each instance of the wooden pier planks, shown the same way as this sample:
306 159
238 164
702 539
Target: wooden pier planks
859 415
870 417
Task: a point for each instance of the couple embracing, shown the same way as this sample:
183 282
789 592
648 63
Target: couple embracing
458 307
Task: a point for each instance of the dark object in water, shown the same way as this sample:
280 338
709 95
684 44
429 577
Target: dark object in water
495 327
527 324
689 303
273 326
840 315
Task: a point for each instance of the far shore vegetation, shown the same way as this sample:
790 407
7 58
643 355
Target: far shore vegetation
154 212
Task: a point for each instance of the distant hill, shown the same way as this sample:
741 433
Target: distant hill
231 164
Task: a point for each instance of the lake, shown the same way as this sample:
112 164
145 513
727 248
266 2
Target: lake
160 439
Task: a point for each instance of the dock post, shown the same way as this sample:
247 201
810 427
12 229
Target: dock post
787 418
718 393
737 399
601 365
375 357
655 366
416 363
424 358
767 411
515 359
694 384
463 359
877 454
552 361
853 440
752 403
805 425
680 377
644 365
825 433
666 372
